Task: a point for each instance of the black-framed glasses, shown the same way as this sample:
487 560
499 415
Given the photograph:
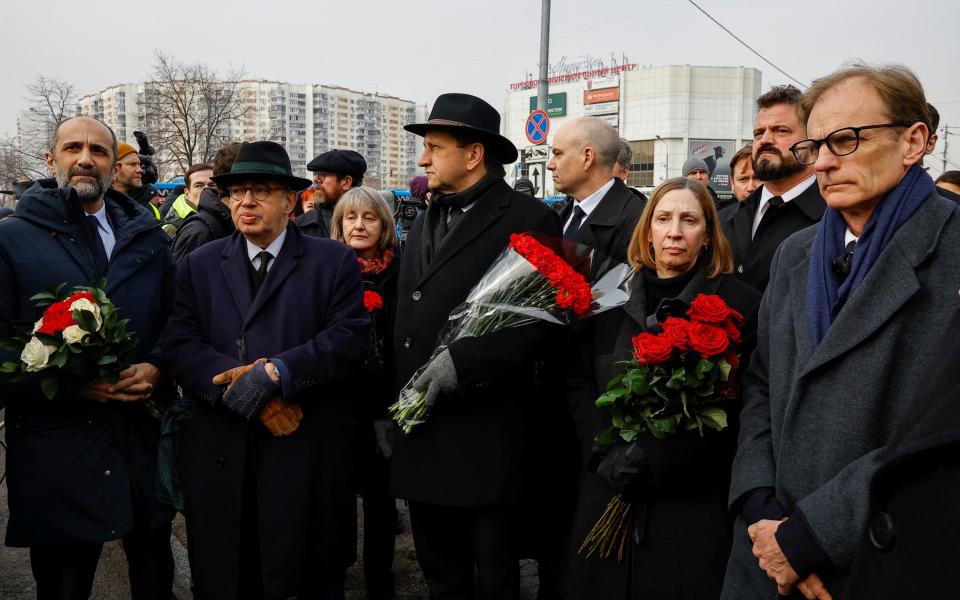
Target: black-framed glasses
841 142
260 192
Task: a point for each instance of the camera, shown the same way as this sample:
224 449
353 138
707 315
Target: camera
406 208
150 175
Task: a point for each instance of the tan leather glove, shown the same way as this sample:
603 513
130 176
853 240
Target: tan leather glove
281 418
231 375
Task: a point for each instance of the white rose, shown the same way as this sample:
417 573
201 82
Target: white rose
36 354
37 326
73 334
84 304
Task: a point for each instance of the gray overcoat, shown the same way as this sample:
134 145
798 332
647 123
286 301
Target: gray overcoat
815 421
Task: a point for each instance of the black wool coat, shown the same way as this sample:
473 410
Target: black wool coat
752 256
682 521
470 452
910 543
610 225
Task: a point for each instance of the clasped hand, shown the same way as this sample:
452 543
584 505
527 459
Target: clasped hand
134 384
773 562
254 389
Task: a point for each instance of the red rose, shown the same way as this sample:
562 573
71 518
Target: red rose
372 301
677 331
733 331
733 359
709 308
651 349
57 317
708 340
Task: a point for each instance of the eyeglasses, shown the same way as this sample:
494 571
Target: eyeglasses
840 142
260 192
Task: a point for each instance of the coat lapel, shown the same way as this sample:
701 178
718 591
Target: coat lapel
484 212
741 226
597 230
236 272
889 285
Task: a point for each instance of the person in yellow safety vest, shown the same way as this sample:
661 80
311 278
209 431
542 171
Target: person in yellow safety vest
128 176
195 180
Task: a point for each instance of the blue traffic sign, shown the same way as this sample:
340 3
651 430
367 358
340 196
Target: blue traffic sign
538 126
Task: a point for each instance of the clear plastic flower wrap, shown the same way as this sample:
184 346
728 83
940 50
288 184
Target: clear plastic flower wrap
536 278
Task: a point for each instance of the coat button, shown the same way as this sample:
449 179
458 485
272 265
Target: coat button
406 343
416 296
882 534
740 269
221 463
107 472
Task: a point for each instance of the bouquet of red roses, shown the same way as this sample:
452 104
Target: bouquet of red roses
79 339
677 381
528 282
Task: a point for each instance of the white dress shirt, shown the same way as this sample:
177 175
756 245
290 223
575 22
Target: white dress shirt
787 196
274 249
589 203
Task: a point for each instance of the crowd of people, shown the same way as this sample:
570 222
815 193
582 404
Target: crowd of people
279 316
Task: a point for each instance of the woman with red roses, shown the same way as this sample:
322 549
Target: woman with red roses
679 535
363 221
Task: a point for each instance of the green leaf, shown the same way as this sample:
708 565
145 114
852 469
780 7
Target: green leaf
628 435
11 344
703 367
676 379
43 296
59 358
107 359
637 381
9 367
714 418
609 399
683 402
615 382
725 369
605 438
85 320
49 385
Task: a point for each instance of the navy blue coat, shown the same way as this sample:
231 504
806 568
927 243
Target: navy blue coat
76 468
308 313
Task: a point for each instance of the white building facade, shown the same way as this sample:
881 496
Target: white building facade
667 113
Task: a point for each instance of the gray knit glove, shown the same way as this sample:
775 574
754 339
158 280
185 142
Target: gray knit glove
251 392
440 375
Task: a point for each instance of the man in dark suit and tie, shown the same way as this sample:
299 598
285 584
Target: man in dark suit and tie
789 199
601 212
268 324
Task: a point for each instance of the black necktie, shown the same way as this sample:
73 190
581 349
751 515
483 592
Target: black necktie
843 264
452 216
574 225
260 274
96 245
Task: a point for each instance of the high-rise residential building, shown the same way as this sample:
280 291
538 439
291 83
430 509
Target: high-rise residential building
305 119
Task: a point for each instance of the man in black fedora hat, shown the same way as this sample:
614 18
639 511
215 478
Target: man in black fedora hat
462 469
334 172
266 453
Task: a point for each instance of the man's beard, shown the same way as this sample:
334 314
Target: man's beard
87 192
769 171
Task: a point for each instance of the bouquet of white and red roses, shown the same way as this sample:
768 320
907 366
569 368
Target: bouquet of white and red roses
528 282
78 340
677 381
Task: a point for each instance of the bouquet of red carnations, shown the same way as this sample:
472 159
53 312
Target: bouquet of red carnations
678 380
79 339
527 283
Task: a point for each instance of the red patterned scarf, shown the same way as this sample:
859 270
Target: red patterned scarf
376 265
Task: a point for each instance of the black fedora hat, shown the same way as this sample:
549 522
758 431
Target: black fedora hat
262 160
469 113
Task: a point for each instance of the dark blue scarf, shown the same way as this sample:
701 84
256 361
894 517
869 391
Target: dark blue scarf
826 291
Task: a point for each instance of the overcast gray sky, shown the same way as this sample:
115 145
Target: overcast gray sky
418 49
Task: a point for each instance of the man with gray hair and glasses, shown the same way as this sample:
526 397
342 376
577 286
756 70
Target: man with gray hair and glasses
854 308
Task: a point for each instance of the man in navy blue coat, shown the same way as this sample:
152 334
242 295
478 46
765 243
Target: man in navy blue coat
80 470
267 320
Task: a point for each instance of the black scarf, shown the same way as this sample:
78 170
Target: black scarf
435 222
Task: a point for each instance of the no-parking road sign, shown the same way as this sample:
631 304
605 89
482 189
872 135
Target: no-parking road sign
538 125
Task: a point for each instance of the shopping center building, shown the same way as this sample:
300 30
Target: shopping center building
667 113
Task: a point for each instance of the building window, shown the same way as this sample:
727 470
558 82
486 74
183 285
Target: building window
641 169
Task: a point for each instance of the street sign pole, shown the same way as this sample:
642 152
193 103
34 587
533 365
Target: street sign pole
543 82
